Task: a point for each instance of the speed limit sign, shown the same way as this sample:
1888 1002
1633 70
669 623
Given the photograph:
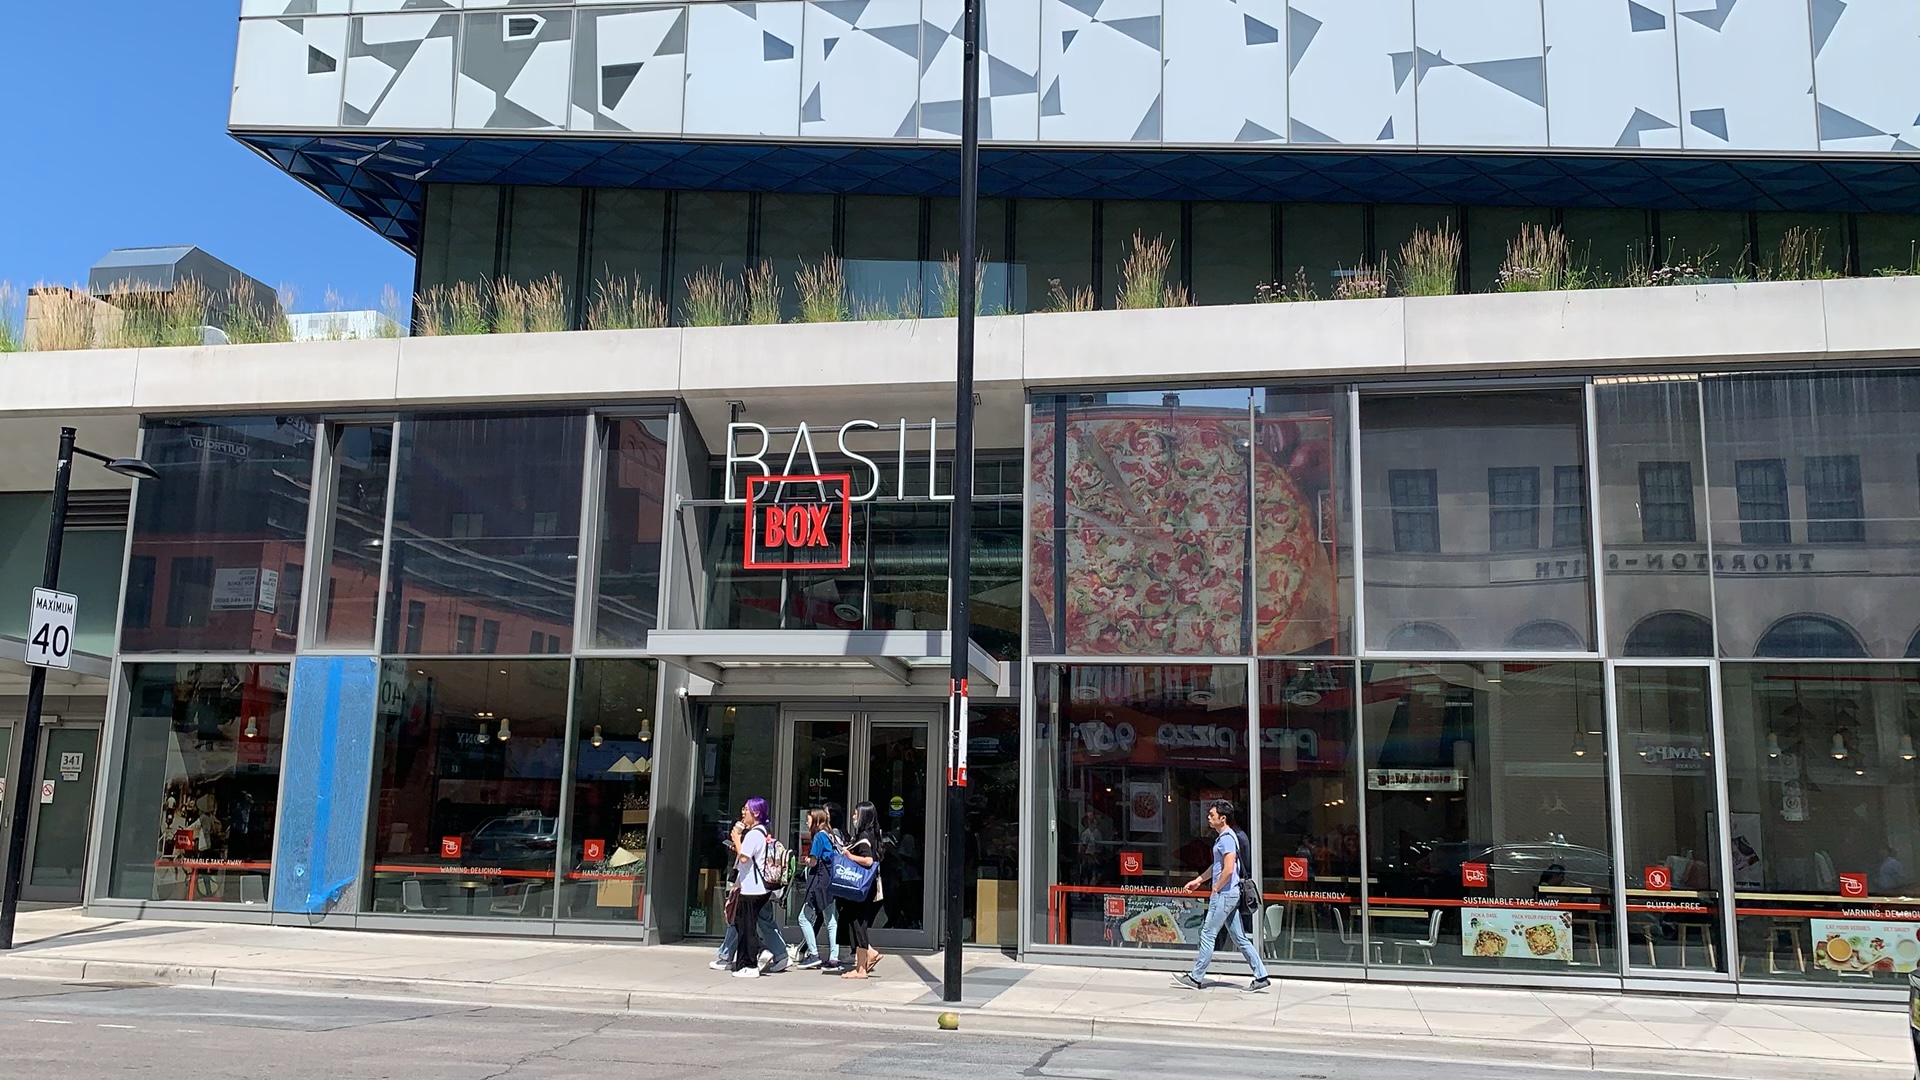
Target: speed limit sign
50 629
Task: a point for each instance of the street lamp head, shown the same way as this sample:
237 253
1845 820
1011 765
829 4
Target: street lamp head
134 467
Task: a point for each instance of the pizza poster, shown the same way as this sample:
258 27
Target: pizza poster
1861 946
1150 555
1146 807
1516 933
1154 920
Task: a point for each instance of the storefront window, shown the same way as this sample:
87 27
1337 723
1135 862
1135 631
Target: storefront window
992 898
1309 811
468 764
224 529
200 784
1825 820
486 535
734 747
1487 817
1302 557
1127 758
1149 554
606 845
1653 515
356 530
1671 833
632 513
1470 528
1816 520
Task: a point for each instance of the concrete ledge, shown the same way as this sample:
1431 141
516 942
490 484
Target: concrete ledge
1247 340
91 380
286 373
540 367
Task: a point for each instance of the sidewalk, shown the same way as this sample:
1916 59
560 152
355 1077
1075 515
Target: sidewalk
1741 1040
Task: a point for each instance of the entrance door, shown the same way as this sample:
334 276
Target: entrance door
1671 827
844 758
57 842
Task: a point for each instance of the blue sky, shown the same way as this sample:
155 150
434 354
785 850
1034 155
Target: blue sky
114 135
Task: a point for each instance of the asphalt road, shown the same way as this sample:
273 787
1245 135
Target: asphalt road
56 1031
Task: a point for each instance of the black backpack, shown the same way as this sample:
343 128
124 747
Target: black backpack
1249 888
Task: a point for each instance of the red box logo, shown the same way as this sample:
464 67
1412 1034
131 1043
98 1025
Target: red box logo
1473 875
450 847
1132 863
1853 886
813 531
183 841
1659 879
1116 907
595 850
1293 869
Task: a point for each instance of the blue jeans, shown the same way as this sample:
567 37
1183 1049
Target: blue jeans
1224 910
770 938
810 928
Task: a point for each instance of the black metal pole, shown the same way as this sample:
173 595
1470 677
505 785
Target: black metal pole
26 741
960 554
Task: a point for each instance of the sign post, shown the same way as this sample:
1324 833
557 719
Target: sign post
50 629
960 552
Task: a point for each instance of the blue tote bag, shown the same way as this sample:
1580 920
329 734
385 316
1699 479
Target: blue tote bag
848 880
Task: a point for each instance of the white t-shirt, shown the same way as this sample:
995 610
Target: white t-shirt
753 848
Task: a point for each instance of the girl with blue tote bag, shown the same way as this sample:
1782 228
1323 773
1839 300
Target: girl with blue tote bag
855 883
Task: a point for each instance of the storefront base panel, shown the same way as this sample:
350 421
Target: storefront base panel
163 912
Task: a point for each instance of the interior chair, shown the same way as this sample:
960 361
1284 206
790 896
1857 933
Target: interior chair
1273 928
413 900
512 900
1426 945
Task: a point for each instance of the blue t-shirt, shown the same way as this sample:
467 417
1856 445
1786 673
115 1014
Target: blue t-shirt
1224 845
822 850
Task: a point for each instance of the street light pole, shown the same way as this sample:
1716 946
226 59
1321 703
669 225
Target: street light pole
26 742
25 759
960 554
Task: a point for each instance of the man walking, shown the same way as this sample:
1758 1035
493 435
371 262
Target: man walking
1223 906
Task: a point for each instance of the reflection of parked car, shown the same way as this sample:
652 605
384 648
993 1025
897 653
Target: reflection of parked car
527 838
1514 870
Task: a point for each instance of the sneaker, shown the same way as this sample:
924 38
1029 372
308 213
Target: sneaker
1187 982
1257 985
776 967
810 963
766 957
832 967
747 973
721 965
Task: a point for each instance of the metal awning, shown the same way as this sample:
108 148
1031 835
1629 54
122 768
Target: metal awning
854 662
87 676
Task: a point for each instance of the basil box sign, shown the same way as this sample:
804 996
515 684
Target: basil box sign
799 522
50 629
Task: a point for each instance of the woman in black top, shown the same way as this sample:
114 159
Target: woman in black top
862 847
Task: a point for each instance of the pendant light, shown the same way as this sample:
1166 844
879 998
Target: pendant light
598 738
1579 744
252 730
1839 748
1773 745
1906 748
646 725
505 732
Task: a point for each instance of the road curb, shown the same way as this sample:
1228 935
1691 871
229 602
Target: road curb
1428 1048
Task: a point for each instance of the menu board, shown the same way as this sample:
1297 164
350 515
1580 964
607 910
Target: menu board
1155 920
1861 946
1521 933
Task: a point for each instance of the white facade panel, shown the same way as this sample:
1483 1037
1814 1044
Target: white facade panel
1746 74
1480 73
514 71
1009 70
1100 71
289 72
1612 77
629 70
860 73
743 69
1866 70
400 71
1350 74
1226 72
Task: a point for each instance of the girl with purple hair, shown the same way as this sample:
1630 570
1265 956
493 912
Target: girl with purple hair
750 842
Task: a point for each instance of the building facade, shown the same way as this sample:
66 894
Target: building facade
1562 638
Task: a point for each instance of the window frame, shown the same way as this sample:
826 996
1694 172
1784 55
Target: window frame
1755 529
1504 533
1416 527
1676 485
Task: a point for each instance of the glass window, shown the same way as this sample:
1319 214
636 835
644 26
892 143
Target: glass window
605 847
882 253
1152 554
356 530
1394 225
625 238
224 521
200 782
1054 241
1490 230
1478 586
543 237
1487 817
1002 286
1129 757
1888 243
1607 242
1761 486
1309 811
1837 447
1713 242
1820 245
710 232
1569 506
461 240
1120 221
1302 557
1834 511
1233 247
1320 240
794 231
467 492
734 749
1670 836
89 566
992 896
1513 508
467 764
1416 509
632 513
1825 820
1666 502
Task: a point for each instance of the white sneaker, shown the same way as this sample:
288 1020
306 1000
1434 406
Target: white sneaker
719 965
766 957
747 973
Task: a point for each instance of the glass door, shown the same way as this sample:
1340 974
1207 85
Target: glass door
62 816
1671 825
